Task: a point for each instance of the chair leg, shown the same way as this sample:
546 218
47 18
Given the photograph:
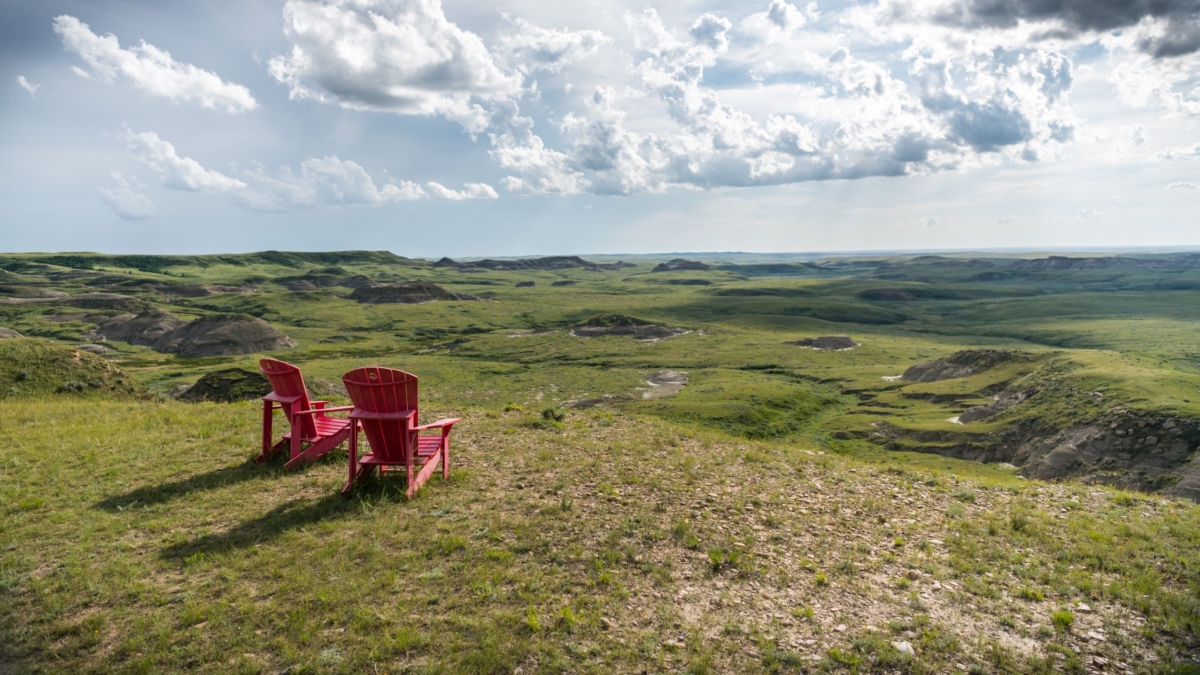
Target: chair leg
445 457
296 442
410 489
353 458
423 475
316 450
267 414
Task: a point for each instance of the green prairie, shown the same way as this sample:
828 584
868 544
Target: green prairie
788 509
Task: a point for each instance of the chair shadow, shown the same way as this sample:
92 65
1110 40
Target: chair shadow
289 516
249 470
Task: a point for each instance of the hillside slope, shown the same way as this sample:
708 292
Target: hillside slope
613 544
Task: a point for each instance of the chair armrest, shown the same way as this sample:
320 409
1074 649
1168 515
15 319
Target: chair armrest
276 398
324 410
440 424
358 414
319 405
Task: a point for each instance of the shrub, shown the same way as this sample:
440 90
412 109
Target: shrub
1063 620
1031 594
531 620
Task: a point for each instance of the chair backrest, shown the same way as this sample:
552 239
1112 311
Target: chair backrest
287 381
384 390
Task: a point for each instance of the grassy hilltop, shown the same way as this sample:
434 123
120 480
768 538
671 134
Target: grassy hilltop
785 509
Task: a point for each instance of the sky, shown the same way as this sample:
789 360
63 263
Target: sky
469 128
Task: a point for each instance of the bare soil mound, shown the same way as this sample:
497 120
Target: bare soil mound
620 324
526 284
101 301
31 292
665 383
228 386
223 335
143 329
564 282
406 292
680 265
959 364
8 333
559 262
834 342
357 281
1002 402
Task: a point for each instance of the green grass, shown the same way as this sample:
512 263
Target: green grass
155 545
664 534
32 367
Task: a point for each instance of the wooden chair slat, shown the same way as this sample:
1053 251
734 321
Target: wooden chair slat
393 442
322 433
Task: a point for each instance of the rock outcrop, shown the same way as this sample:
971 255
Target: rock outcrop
1133 450
681 265
144 329
31 292
357 281
959 364
411 292
834 342
228 386
619 324
6 333
557 262
1002 402
101 301
223 335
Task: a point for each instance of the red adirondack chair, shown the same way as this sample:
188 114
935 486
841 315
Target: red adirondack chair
385 406
308 420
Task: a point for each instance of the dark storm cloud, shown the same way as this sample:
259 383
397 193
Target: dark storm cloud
1078 16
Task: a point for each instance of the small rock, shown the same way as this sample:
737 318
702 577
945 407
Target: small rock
1082 607
841 628
904 647
1098 637
607 623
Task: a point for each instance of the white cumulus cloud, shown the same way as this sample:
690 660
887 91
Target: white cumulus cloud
149 69
1182 185
28 86
469 191
778 23
125 202
180 173
859 120
1179 153
401 56
532 47
318 181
